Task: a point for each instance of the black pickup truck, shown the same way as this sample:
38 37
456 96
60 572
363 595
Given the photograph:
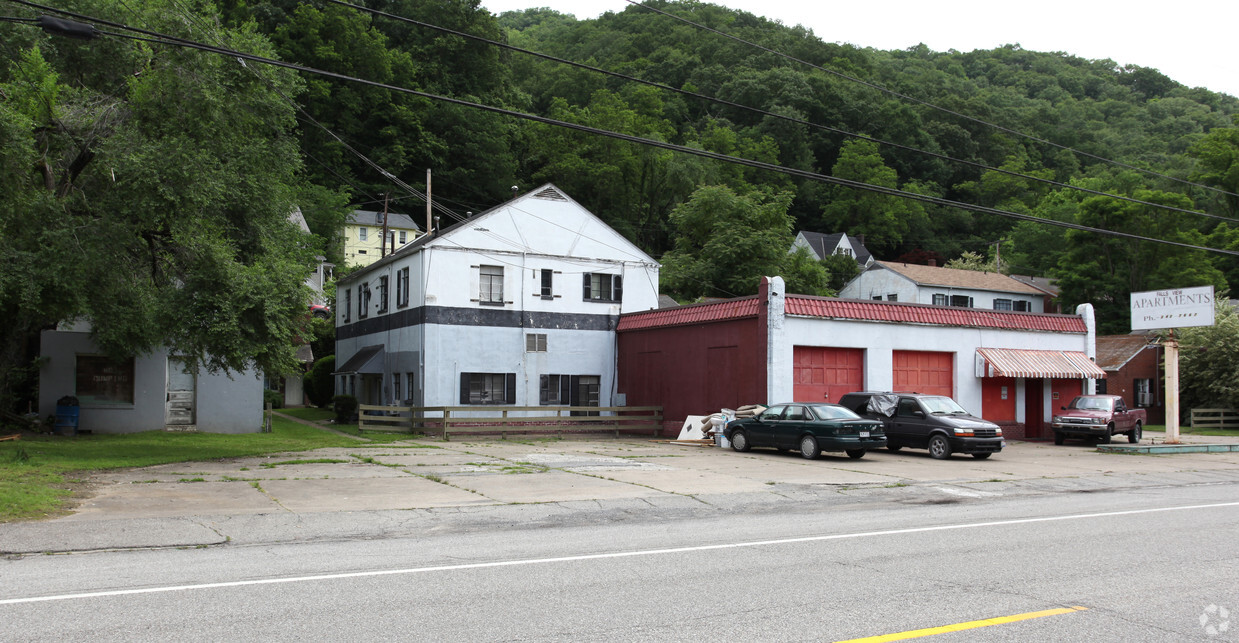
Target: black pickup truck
934 422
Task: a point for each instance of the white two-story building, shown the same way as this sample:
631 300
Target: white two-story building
514 306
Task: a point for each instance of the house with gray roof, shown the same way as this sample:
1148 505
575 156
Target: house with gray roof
890 281
824 245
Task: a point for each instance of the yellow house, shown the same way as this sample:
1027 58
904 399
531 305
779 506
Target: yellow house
363 235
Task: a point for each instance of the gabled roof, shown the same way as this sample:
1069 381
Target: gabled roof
824 245
1114 351
714 311
394 220
956 278
526 206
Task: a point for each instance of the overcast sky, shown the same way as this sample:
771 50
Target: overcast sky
1192 42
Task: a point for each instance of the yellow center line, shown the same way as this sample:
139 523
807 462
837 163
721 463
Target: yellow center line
957 627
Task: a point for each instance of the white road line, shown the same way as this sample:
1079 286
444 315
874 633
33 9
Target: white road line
622 554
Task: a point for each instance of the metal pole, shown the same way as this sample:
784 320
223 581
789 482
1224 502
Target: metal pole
1172 388
383 241
427 200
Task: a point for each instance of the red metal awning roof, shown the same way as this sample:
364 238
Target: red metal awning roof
693 314
1017 362
909 313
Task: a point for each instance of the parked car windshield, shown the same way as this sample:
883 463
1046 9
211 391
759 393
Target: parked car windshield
1092 403
833 412
942 404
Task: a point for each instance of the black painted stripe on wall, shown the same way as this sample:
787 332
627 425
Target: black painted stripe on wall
497 317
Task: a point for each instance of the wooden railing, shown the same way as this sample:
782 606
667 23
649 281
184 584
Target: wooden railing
446 420
1215 419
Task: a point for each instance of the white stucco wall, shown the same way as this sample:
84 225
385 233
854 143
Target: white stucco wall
880 340
882 283
224 404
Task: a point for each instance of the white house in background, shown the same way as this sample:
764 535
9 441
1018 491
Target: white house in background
515 306
824 245
144 393
913 283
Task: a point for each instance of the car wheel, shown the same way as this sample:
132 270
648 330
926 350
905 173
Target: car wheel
856 454
939 448
809 448
894 448
1105 439
739 441
1134 435
1059 438
981 456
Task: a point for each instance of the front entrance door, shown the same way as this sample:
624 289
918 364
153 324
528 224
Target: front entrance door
180 406
1034 402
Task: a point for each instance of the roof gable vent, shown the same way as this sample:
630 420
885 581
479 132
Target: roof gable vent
550 194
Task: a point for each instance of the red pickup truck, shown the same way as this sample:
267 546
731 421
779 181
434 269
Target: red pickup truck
1098 416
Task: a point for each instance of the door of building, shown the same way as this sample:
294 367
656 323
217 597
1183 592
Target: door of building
927 372
180 404
1034 403
826 374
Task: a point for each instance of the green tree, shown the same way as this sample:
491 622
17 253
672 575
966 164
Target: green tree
973 261
726 242
1208 354
148 193
884 220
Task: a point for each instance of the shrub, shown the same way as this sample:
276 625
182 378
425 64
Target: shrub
274 398
319 382
345 407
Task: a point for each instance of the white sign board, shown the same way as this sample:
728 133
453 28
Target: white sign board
1177 308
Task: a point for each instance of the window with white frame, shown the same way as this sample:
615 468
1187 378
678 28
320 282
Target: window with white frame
939 300
847 252
547 277
362 233
404 237
1002 304
383 294
535 343
402 287
490 281
603 287
488 388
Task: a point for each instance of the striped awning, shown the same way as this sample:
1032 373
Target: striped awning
1017 362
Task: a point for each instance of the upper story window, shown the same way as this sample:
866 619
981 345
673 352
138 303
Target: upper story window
535 343
892 297
603 287
939 300
404 237
1021 306
547 277
847 252
1002 304
961 301
490 284
402 287
363 301
362 233
383 294
348 304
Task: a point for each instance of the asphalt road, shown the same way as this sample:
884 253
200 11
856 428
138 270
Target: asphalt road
1145 564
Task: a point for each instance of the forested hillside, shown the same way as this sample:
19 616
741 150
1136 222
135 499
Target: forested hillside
1006 129
931 123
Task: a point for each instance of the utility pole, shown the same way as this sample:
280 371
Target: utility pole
428 228
383 240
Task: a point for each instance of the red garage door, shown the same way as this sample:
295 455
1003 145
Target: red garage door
926 372
825 374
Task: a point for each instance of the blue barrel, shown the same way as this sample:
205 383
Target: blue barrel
68 412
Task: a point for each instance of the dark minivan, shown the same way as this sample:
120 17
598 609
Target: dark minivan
934 422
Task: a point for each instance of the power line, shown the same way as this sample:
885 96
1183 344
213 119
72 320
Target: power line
927 103
784 117
157 38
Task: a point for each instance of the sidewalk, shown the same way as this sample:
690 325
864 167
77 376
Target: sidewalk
404 487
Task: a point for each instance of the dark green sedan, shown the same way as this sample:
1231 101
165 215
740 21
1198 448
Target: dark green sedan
809 428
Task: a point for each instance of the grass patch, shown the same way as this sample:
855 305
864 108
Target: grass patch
192 480
309 413
35 485
272 465
1192 430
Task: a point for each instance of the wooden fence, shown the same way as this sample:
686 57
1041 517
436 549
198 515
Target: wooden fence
1215 419
446 420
